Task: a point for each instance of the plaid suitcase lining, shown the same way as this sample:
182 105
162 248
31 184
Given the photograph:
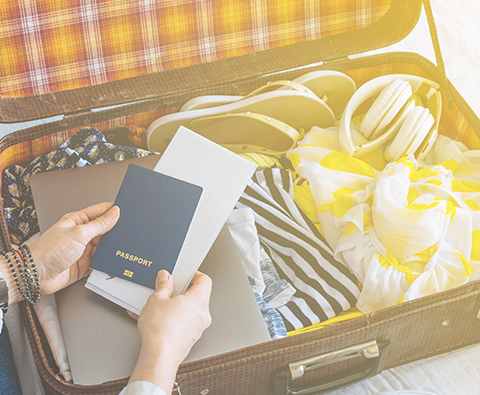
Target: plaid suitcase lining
61 45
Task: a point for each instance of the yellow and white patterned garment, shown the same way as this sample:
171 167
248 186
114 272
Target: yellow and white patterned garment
405 232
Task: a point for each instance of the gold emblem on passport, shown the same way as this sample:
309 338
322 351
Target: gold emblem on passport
128 273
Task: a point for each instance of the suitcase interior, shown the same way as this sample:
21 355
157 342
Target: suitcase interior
409 331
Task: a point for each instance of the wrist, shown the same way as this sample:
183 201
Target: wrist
21 275
157 366
36 254
163 345
14 295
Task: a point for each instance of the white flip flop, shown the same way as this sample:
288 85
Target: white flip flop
248 133
208 101
333 87
297 110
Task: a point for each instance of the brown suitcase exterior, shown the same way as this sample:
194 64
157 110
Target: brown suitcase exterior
402 333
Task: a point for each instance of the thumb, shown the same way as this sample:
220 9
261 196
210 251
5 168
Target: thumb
102 224
164 284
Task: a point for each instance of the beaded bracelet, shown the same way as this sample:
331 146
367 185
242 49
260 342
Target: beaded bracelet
31 282
22 274
34 283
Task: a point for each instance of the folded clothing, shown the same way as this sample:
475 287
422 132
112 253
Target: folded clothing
88 146
324 286
270 291
273 320
405 232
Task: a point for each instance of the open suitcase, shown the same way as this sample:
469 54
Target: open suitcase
202 59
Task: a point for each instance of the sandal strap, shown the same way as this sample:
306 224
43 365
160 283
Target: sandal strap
282 83
278 126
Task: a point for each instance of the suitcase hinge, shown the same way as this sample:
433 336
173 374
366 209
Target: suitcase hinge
336 60
76 113
348 57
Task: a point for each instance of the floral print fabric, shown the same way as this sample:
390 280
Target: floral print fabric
89 144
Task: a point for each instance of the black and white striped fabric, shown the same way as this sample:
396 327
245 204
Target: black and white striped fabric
325 287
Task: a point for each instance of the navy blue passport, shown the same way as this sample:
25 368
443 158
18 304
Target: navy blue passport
155 213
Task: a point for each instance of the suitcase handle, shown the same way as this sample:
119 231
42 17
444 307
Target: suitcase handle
375 354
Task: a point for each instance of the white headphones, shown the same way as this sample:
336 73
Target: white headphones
394 116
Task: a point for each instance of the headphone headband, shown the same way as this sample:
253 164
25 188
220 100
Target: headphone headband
420 86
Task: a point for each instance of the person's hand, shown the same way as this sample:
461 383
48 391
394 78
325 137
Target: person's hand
176 323
63 253
169 327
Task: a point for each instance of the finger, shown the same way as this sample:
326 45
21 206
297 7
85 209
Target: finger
90 213
195 276
200 286
102 224
94 242
164 284
133 315
97 210
83 266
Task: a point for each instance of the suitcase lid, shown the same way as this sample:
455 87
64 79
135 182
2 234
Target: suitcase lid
68 57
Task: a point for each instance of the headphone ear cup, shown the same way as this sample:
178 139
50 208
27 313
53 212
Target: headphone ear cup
426 146
392 98
412 132
422 133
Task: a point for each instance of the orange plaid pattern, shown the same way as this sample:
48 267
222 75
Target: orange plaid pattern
55 45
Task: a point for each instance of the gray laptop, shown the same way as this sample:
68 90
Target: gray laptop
101 339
